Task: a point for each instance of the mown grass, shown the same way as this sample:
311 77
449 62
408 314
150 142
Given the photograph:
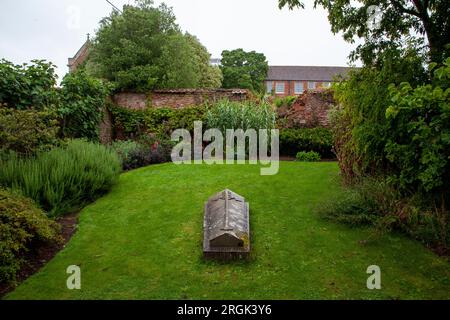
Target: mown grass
144 241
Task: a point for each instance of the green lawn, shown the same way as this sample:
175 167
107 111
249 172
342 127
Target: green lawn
144 241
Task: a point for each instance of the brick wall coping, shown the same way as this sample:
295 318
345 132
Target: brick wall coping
190 91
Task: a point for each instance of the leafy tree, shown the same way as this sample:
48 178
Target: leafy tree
179 63
82 105
143 49
246 70
186 63
400 23
28 85
209 76
212 79
364 97
419 133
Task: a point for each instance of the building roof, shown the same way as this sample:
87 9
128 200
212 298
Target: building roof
308 73
80 56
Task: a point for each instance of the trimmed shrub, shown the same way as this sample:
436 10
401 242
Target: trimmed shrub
147 150
310 156
22 228
27 131
64 178
319 140
124 149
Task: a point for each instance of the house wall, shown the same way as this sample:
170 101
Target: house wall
81 56
289 87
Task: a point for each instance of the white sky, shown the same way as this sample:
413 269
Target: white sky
55 29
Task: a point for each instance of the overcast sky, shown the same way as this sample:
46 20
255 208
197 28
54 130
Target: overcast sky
55 29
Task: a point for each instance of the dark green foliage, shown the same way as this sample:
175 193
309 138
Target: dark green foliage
125 149
375 201
163 121
285 102
309 156
186 64
157 121
64 178
28 86
344 146
147 150
352 208
399 131
418 143
22 228
78 104
130 122
143 49
319 140
27 131
364 97
82 105
245 70
425 25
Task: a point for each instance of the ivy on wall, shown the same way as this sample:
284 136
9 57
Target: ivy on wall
159 121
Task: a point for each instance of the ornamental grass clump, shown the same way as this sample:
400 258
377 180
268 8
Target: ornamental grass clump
227 114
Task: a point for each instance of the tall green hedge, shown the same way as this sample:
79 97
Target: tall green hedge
319 140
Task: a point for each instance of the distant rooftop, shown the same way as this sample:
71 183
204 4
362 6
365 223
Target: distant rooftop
311 73
215 61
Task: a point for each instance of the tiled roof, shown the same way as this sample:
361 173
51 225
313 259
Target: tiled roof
310 73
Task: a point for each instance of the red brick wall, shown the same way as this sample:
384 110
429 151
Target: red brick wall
105 129
167 98
177 98
135 101
309 110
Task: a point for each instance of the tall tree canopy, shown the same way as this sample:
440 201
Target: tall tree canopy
142 48
246 70
422 24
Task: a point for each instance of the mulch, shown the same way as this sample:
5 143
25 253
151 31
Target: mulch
42 255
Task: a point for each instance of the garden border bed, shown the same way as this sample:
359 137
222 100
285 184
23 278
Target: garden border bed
35 261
